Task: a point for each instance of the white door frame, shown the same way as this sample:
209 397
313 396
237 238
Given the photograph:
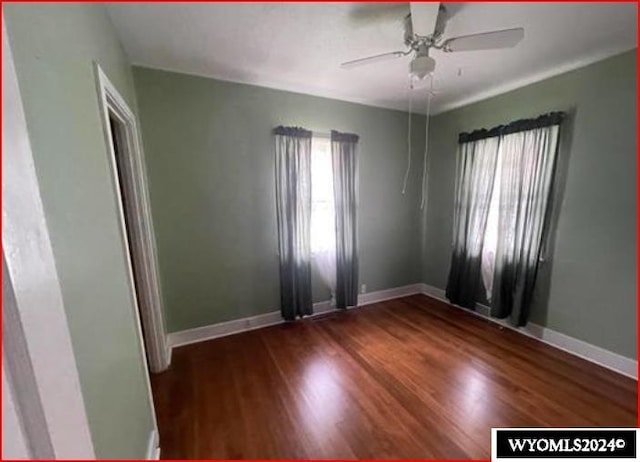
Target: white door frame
143 245
39 368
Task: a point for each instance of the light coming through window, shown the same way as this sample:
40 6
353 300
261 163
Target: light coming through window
322 208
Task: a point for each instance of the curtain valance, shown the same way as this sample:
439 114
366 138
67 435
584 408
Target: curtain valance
297 132
344 137
545 120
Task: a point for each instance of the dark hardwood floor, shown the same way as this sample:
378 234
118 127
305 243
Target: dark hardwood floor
406 378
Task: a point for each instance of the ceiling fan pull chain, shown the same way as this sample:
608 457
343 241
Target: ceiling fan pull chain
425 169
406 174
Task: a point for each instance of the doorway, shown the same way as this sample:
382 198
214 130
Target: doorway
125 185
130 187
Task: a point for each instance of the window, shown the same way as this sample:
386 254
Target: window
490 246
516 194
322 209
323 230
504 180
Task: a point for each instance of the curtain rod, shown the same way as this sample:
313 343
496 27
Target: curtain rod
545 120
293 130
318 133
339 136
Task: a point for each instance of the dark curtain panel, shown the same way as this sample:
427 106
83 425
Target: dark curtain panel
475 173
528 161
345 188
293 204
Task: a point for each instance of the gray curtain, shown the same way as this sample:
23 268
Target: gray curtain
528 161
293 196
345 188
475 174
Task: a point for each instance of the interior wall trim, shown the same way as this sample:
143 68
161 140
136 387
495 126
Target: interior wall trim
580 348
201 334
153 447
595 354
140 250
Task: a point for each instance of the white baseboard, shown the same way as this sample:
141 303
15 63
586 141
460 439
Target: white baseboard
389 294
584 350
153 448
593 353
200 334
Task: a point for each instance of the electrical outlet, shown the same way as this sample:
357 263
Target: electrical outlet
363 289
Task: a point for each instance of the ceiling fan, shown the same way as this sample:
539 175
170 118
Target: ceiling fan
424 29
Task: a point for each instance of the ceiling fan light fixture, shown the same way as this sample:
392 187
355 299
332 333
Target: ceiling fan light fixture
422 66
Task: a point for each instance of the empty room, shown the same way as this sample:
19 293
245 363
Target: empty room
316 230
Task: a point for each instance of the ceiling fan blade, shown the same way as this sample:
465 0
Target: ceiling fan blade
423 17
371 13
374 59
486 41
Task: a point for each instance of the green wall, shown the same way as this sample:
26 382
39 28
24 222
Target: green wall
588 288
210 160
54 47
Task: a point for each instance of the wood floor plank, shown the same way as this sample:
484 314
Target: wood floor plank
544 370
407 378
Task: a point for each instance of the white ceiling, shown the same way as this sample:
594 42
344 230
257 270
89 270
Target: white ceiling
299 46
